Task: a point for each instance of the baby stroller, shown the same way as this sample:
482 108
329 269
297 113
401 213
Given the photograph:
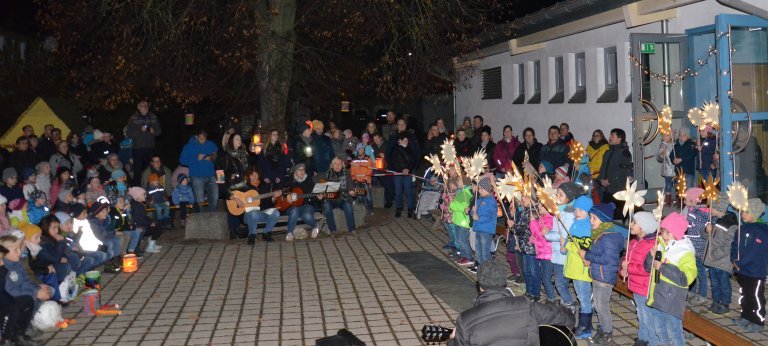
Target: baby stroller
430 195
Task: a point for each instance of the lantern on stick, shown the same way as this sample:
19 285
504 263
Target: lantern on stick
681 186
632 198
665 121
711 192
739 198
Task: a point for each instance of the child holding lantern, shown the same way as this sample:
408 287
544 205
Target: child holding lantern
750 263
643 227
484 214
697 216
717 256
522 228
576 269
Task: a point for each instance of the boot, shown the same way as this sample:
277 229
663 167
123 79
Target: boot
118 262
398 212
584 330
668 199
251 239
410 213
267 236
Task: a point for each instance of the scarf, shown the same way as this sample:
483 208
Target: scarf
240 155
34 249
337 177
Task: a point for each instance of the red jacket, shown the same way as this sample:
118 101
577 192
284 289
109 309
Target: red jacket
503 153
639 279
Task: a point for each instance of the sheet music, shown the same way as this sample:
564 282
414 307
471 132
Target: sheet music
326 187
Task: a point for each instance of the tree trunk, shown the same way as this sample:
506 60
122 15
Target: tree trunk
275 66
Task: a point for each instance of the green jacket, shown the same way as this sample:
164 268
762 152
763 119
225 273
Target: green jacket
460 202
676 273
574 266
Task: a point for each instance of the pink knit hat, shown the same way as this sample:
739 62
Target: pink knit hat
694 193
136 192
675 224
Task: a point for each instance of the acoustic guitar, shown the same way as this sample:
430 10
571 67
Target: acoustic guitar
295 197
548 335
250 199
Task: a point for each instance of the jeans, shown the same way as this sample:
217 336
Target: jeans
233 223
700 285
545 274
389 189
584 293
62 270
254 217
462 241
135 238
451 235
368 198
201 185
668 328
602 293
162 211
483 243
669 185
721 285
184 209
113 247
404 184
305 212
91 259
349 214
707 172
562 284
689 180
532 276
645 329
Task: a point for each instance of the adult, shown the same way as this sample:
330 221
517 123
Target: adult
663 156
615 169
46 147
404 161
466 124
501 318
710 160
684 155
143 127
28 130
749 163
163 173
565 133
101 147
487 144
433 143
302 149
265 213
273 161
553 154
22 157
595 152
322 149
379 147
463 144
337 143
33 144
111 165
402 127
337 174
389 130
76 145
64 158
478 123
371 129
531 147
504 151
441 125
305 211
199 154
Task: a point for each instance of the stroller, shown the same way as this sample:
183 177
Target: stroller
430 195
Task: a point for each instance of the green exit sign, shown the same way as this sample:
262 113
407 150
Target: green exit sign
648 48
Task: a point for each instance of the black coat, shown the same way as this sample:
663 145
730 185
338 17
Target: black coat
463 148
616 167
402 158
499 318
534 154
22 159
489 148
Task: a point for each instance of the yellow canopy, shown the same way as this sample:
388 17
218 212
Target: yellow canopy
41 112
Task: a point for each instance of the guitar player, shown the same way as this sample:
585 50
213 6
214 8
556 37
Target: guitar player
264 213
305 211
337 174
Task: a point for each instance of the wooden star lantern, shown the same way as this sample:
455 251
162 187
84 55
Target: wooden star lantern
448 151
576 152
738 196
682 185
631 197
659 210
437 168
698 118
711 192
477 164
711 111
665 121
547 187
547 201
507 188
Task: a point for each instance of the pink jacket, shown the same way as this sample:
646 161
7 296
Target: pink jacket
503 152
639 279
543 247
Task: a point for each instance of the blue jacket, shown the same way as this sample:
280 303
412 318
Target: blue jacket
486 213
688 152
189 157
17 283
605 256
322 152
751 247
707 153
102 229
183 193
36 213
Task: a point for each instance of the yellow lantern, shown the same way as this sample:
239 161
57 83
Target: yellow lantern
130 263
379 163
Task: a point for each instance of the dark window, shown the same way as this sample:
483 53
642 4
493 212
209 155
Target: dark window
611 93
580 96
492 83
520 98
536 98
559 96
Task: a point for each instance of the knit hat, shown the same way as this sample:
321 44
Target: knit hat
317 124
117 174
63 194
646 221
76 209
603 211
675 224
9 172
77 191
491 275
26 173
97 134
98 207
722 202
693 193
136 192
153 177
571 191
562 171
755 207
37 194
485 184
62 216
17 204
584 203
359 146
30 230
3 200
92 173
181 177
547 166
298 166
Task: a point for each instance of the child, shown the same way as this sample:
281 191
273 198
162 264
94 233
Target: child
643 227
103 230
561 176
11 189
64 200
94 190
460 223
361 170
17 311
118 187
130 233
748 254
63 181
17 283
454 183
37 209
524 245
18 214
49 265
697 216
84 242
158 198
717 255
673 268
567 193
183 197
29 178
139 215
5 222
603 259
43 177
576 269
484 214
542 266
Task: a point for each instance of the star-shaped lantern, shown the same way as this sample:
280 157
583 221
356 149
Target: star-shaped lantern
576 152
711 111
547 201
698 117
659 210
507 187
437 168
477 164
631 197
547 187
737 196
448 151
682 185
665 120
710 189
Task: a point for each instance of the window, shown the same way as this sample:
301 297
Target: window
536 98
580 62
559 95
610 66
520 98
492 83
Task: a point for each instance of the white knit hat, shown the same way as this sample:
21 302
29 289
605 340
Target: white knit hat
646 221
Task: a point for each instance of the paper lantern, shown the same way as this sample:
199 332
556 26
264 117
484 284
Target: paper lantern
130 263
93 280
91 302
379 163
189 119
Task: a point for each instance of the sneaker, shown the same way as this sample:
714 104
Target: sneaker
519 280
447 248
473 268
464 262
741 322
315 232
698 300
754 328
573 307
289 237
551 301
720 309
712 307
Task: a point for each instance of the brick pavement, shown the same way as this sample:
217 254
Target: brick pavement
285 294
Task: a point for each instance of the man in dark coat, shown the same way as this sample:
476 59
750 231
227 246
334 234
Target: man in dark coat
22 157
616 167
500 318
463 144
435 140
322 149
555 152
143 127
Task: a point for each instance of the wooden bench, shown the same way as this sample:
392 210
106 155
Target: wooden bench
176 207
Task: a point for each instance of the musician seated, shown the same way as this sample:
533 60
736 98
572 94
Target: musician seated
337 174
264 212
306 211
500 318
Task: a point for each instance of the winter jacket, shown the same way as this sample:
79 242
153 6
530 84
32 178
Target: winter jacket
189 157
489 147
434 145
389 131
697 218
102 229
6 300
543 248
143 139
486 213
322 152
402 158
306 186
17 282
139 215
105 171
555 153
71 161
605 255
637 278
534 154
503 154
463 148
35 212
596 155
677 272
361 170
234 164
581 231
749 249
664 158
50 253
413 146
523 229
156 194
183 193
616 167
11 193
558 232
718 253
688 152
22 159
499 318
100 150
707 153
166 180
273 164
458 205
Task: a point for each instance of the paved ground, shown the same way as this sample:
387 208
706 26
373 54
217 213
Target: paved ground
284 293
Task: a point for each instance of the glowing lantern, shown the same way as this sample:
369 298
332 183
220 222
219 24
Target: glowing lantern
379 163
256 143
130 263
189 119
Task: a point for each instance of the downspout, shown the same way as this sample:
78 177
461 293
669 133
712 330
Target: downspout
745 7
